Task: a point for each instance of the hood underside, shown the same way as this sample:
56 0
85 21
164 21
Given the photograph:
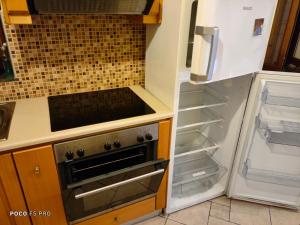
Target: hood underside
131 7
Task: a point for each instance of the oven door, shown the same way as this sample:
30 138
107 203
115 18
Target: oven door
106 192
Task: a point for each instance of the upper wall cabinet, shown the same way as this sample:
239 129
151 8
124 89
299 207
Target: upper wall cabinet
16 11
20 11
155 14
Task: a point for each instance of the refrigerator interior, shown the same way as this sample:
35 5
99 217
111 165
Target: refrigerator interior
208 125
267 167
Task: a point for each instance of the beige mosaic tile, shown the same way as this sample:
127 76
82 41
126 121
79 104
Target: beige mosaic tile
61 54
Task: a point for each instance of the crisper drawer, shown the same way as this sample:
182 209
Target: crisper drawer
195 173
113 190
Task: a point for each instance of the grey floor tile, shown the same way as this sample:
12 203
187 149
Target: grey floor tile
220 211
195 215
280 216
247 213
154 221
172 222
216 221
223 200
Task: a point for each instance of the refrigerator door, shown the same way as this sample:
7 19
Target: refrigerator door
230 38
267 163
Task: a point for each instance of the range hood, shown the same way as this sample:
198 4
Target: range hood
131 7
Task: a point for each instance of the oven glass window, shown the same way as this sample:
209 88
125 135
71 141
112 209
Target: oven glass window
106 192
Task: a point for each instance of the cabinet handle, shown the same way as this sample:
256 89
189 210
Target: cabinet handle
116 219
37 170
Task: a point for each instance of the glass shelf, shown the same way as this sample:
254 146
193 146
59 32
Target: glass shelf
195 173
191 142
268 176
204 98
284 94
197 117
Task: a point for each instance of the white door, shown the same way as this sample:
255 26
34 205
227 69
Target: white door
267 164
230 38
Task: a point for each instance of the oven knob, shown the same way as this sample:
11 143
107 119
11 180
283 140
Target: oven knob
117 144
149 137
80 152
140 138
107 146
69 155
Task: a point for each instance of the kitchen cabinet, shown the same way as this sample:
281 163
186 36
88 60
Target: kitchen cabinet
16 12
155 14
163 153
37 171
11 197
29 177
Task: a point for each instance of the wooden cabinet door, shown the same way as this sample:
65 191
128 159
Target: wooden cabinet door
16 11
163 152
39 179
11 196
123 215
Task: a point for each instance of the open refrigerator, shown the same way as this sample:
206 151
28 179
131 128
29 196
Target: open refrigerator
236 129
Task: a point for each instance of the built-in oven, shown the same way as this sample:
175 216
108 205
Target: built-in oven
107 171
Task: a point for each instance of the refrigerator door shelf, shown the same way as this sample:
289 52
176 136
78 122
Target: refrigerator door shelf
197 117
268 176
192 142
283 138
195 174
197 99
279 119
284 94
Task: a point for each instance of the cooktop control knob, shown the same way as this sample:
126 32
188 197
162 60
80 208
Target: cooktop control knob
117 144
107 146
69 155
80 152
148 136
140 138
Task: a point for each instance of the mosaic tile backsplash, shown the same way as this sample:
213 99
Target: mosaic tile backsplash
61 54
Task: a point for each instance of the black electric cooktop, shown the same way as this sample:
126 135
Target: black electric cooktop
81 109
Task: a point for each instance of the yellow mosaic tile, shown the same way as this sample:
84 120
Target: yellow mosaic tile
62 54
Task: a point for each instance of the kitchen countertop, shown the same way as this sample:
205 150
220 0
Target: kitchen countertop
30 124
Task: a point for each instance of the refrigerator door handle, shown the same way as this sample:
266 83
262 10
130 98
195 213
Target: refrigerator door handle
214 33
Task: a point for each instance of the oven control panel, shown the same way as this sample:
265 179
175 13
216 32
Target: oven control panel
79 148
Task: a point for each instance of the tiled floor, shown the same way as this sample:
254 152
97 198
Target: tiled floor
223 211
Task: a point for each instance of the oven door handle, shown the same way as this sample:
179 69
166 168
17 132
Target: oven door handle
88 193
